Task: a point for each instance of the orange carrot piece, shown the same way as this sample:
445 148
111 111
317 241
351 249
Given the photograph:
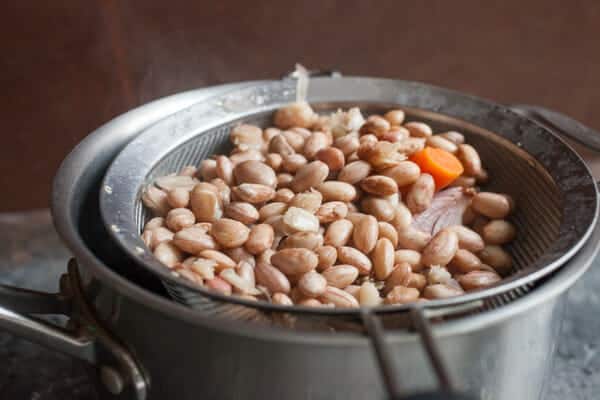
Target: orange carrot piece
442 165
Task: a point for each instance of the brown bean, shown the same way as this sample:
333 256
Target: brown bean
365 234
295 261
387 231
478 280
219 285
332 211
379 208
274 161
310 175
327 257
156 200
193 240
224 169
398 276
240 156
379 185
155 222
283 195
229 233
180 218
239 254
338 233
395 134
153 237
312 145
334 158
271 278
260 238
178 197
464 261
354 172
279 145
294 139
402 295
419 129
281 299
383 258
381 155
441 291
253 171
221 260
368 295
253 193
312 284
284 180
246 213
411 145
441 249
246 136
338 298
411 257
455 137
468 239
306 240
441 142
405 173
354 290
395 117
420 195
309 201
402 218
168 254
293 162
337 191
223 191
309 302
170 182
352 256
375 125
497 258
271 210
413 239
469 158
340 275
188 170
347 144
207 169
239 284
496 232
299 220
492 205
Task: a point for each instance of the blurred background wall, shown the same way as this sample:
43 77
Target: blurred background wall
68 66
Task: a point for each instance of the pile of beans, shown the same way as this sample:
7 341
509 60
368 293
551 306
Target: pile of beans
317 211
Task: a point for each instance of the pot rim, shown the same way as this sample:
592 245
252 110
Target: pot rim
68 175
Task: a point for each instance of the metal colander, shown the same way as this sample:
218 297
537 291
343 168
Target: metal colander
555 193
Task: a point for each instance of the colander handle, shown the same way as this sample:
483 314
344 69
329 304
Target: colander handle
420 319
560 124
85 338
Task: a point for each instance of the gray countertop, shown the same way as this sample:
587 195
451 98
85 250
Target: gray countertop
31 255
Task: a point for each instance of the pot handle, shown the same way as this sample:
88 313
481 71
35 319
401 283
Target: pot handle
419 316
86 339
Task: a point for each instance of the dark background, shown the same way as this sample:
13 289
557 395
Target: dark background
68 66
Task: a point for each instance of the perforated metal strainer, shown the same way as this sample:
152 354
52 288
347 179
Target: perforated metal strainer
556 195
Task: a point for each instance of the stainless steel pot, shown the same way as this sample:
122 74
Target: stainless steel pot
147 346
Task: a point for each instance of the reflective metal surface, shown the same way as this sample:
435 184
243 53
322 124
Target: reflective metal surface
501 354
557 206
